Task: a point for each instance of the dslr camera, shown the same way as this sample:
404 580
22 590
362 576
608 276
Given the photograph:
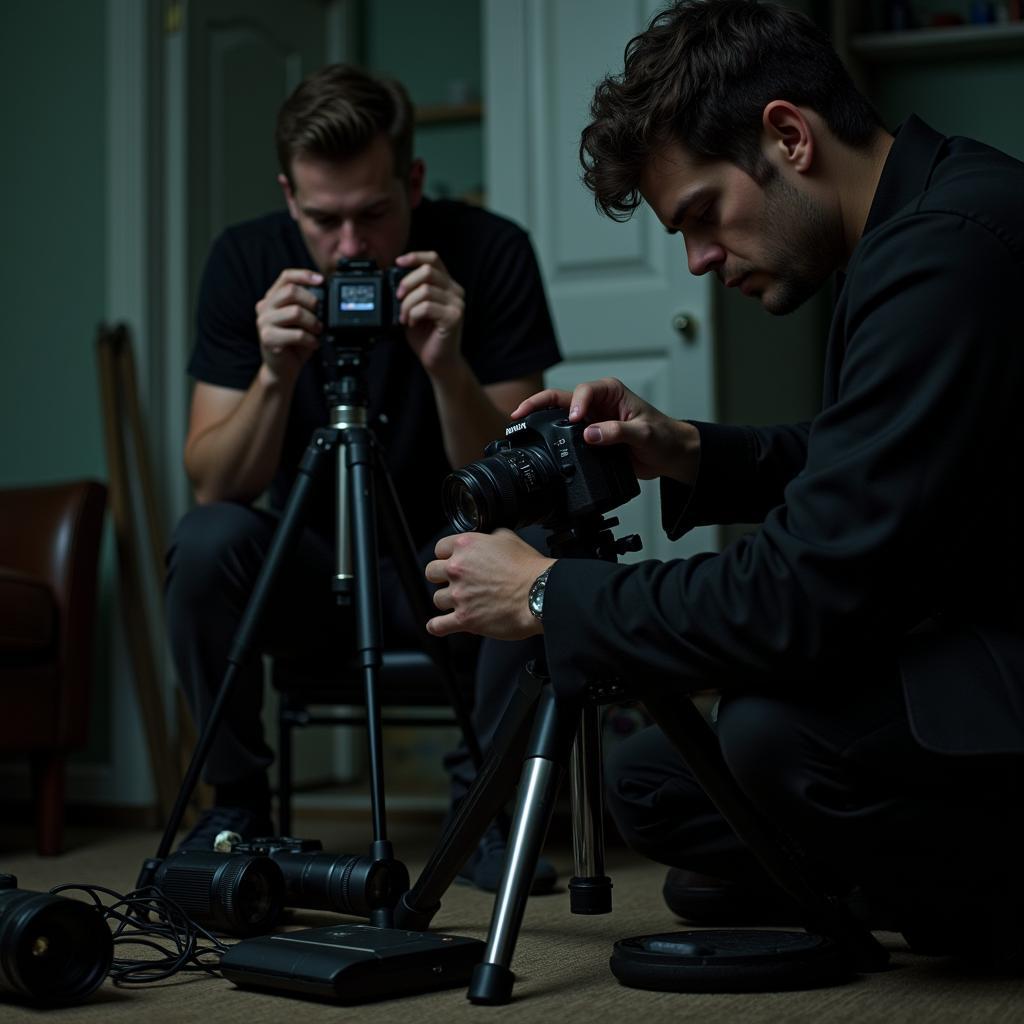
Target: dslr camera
542 471
357 302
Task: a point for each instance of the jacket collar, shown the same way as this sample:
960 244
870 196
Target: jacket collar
907 171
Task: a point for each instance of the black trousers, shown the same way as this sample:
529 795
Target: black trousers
934 839
215 556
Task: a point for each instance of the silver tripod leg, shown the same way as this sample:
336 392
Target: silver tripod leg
535 804
590 889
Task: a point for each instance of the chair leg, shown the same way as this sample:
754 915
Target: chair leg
284 772
48 791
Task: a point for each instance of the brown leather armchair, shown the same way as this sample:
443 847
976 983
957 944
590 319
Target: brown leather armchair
49 548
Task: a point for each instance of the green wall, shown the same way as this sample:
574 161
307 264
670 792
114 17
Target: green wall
53 174
434 49
979 97
52 261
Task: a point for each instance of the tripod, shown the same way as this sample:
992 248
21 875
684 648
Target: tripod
539 734
355 584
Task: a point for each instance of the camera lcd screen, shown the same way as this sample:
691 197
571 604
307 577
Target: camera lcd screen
357 298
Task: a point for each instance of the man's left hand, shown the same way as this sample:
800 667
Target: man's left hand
485 583
432 309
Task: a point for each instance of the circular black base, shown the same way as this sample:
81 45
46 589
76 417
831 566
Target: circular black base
730 960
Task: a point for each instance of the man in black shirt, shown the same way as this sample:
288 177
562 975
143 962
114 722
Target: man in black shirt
476 338
868 639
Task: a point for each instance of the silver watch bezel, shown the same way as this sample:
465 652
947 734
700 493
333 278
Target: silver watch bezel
535 599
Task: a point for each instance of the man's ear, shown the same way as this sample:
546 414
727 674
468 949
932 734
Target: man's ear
789 139
417 175
289 196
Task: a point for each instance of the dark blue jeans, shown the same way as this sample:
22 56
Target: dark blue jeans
215 556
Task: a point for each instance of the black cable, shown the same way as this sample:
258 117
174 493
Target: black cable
147 917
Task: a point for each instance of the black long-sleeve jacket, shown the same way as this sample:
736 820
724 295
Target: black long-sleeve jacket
891 525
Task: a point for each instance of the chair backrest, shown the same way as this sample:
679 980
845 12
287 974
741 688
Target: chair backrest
407 677
53 533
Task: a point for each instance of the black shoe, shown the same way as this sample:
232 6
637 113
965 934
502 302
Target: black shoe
240 820
703 900
486 866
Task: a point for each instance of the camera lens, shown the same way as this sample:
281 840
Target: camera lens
52 949
340 882
514 487
228 892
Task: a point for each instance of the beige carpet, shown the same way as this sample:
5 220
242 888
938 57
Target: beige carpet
561 961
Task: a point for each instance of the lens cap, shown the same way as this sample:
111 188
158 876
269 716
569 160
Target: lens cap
730 960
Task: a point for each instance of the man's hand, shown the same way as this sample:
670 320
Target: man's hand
432 309
287 323
486 580
659 445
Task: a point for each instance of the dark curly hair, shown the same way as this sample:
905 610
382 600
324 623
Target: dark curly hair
337 112
701 74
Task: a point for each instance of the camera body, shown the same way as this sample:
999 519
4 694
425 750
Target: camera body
358 302
542 471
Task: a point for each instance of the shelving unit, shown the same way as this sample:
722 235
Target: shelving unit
935 43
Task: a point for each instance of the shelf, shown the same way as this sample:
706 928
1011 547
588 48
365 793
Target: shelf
931 43
449 113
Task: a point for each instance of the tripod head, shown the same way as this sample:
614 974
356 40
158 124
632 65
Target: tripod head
345 381
590 536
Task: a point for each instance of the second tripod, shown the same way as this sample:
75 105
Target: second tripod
356 584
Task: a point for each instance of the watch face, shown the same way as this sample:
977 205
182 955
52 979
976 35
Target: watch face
536 598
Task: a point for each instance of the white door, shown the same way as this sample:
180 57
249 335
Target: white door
615 289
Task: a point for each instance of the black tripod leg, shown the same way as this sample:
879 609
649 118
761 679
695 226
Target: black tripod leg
359 468
494 784
554 731
825 914
404 553
281 546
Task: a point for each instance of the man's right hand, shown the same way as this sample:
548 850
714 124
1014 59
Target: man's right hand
659 445
287 323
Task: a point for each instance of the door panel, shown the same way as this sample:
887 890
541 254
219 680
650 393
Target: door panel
614 288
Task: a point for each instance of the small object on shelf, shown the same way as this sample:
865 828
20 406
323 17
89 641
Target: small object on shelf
899 16
982 12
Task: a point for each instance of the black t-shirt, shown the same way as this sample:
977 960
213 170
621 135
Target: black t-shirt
507 333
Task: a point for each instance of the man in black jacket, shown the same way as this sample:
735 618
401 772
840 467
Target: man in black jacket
868 639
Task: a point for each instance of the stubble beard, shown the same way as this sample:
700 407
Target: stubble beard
803 247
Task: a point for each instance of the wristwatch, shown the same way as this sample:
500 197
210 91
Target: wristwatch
536 598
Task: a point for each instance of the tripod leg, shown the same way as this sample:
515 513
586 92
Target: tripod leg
494 784
281 547
590 889
554 731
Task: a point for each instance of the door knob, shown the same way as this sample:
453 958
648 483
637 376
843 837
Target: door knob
686 326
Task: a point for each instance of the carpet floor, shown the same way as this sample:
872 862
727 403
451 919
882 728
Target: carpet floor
560 961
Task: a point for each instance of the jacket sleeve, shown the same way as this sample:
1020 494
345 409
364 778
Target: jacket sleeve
742 475
914 461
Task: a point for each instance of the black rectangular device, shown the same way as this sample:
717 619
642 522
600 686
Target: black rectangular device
353 963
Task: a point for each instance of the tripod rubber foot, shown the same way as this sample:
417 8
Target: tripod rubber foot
491 985
590 895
